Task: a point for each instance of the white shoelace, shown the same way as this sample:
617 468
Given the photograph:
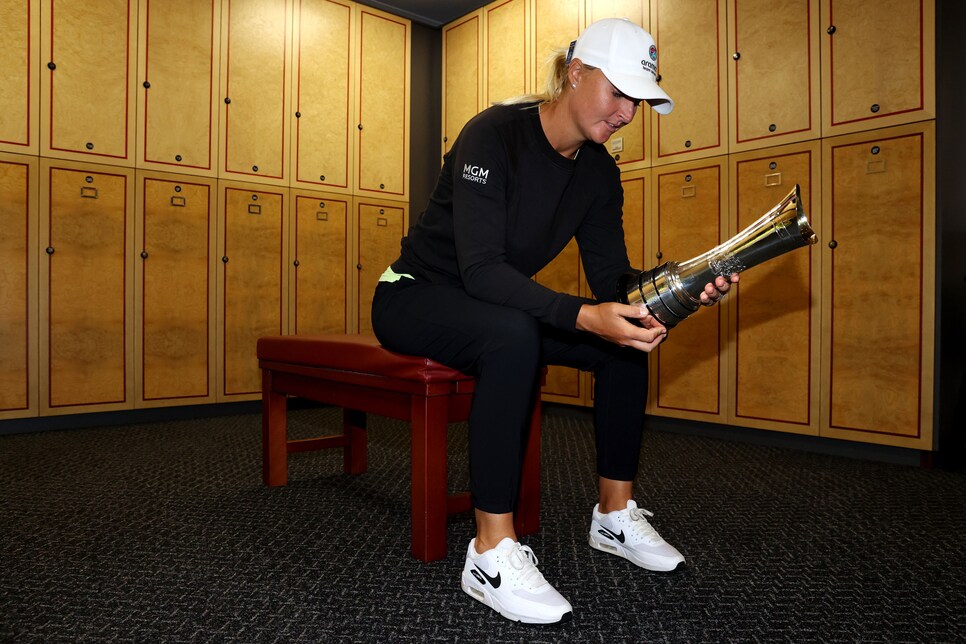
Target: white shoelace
641 525
522 558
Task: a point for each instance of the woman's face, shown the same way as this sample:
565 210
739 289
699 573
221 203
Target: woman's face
600 109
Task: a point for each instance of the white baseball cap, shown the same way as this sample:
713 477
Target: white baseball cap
627 56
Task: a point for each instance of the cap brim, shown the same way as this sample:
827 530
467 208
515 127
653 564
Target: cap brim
643 89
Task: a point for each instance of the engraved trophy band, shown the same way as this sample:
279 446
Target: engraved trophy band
672 291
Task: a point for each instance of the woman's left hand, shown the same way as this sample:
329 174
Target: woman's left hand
714 291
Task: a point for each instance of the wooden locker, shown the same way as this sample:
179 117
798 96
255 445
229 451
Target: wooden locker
20 81
381 226
177 85
174 281
88 111
19 184
462 75
878 64
323 95
252 281
86 312
691 48
878 275
320 283
774 310
382 130
689 202
629 146
255 86
507 69
773 80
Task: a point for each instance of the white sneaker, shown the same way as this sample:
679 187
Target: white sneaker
507 580
626 533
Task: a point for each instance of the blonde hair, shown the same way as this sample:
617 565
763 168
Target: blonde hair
556 67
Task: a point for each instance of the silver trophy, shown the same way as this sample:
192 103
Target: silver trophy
672 291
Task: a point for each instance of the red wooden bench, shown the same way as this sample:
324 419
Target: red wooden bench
356 373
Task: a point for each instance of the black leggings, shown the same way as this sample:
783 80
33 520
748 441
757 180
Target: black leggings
504 349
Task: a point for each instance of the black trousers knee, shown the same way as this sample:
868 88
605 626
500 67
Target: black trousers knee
503 349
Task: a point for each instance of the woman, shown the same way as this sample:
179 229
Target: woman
522 180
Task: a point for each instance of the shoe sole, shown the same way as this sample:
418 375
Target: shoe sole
630 555
488 599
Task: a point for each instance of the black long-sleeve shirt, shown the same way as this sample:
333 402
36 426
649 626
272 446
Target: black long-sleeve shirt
506 203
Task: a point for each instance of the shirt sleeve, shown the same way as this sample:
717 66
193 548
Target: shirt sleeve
481 186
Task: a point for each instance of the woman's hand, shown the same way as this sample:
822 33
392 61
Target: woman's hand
610 320
714 291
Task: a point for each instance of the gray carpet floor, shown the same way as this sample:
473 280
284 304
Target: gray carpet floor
163 532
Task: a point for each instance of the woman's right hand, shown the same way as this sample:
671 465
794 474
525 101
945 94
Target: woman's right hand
611 321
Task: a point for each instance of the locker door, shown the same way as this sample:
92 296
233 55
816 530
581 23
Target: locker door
86 338
690 202
255 61
775 309
866 83
177 84
323 95
20 81
507 69
320 283
88 111
18 286
773 76
878 271
175 290
691 46
382 131
252 282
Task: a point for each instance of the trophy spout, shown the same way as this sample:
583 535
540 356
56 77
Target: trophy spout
672 291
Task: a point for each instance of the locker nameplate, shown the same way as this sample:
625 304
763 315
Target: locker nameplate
322 215
254 209
178 201
88 192
688 191
878 165
382 221
773 179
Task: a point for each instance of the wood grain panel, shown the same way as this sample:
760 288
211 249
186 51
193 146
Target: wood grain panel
178 58
689 223
690 39
253 282
868 79
175 291
20 80
383 104
323 93
507 72
17 276
255 55
774 82
86 343
876 274
773 345
320 284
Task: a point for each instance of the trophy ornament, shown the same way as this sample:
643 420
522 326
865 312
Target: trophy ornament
672 291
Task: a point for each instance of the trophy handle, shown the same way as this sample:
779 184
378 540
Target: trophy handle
672 291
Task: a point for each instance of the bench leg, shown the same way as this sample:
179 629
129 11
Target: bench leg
428 428
274 433
354 429
526 519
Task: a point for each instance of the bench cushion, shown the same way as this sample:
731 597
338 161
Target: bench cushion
355 353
